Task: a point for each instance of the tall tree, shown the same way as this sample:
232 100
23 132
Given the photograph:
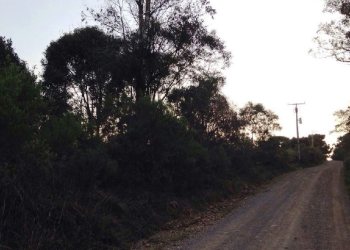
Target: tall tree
84 73
343 120
7 54
342 148
260 122
333 36
207 111
20 104
167 41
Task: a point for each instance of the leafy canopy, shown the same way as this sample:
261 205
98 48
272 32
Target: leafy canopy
260 122
83 74
166 41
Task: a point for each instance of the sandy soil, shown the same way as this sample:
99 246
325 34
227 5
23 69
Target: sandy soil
306 209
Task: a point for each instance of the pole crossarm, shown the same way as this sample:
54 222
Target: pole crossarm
299 103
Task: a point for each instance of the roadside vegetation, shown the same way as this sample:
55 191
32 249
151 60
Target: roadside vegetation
333 40
126 128
341 150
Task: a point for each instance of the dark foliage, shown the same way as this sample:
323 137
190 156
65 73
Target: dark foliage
124 129
84 73
7 54
259 122
342 148
207 111
157 153
314 150
167 42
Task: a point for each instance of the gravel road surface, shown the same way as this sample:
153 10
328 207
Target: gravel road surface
306 209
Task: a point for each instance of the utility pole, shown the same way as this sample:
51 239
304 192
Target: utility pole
297 125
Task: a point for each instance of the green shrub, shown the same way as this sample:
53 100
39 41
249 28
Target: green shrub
20 111
311 156
62 133
342 148
157 152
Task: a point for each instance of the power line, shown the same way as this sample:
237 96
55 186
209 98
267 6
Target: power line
297 125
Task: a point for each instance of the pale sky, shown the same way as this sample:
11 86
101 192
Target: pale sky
269 41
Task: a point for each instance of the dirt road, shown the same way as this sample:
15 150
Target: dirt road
306 209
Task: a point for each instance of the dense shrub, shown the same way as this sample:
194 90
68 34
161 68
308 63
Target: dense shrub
347 173
342 148
94 165
20 111
157 152
312 156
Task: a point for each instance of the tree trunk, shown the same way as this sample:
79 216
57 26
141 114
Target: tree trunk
147 14
144 23
140 4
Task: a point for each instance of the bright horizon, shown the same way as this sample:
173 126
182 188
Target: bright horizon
269 41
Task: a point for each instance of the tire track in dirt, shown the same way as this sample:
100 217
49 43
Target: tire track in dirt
306 209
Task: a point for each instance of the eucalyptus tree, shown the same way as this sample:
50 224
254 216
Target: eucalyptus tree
333 36
7 54
20 105
343 120
167 42
83 74
259 122
207 111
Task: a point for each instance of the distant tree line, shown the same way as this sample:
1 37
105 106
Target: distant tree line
126 118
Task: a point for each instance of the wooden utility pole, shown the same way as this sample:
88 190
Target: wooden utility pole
297 125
